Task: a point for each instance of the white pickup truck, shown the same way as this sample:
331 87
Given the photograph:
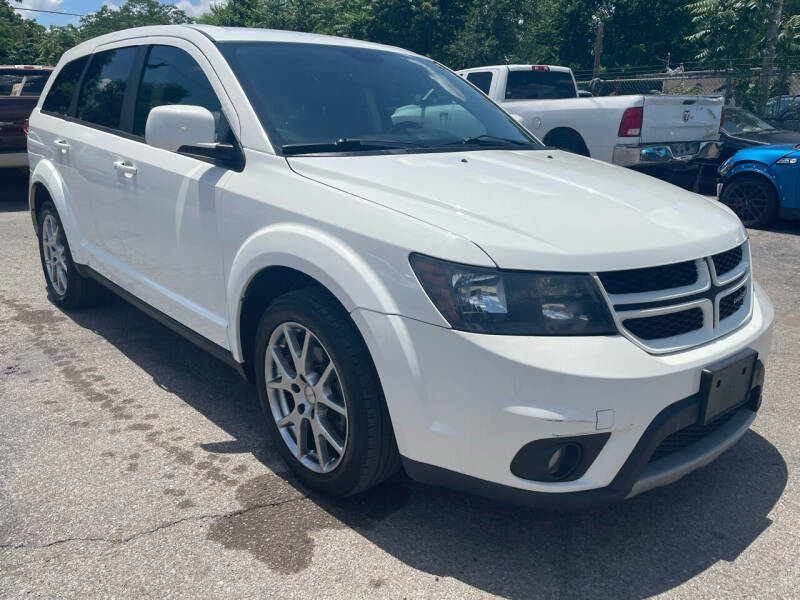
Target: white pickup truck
632 131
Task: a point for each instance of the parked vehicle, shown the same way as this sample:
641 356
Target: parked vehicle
20 87
762 183
742 129
783 112
651 133
447 294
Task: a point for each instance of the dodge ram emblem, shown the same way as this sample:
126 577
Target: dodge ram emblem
687 114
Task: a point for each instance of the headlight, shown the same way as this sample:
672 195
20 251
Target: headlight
725 167
487 300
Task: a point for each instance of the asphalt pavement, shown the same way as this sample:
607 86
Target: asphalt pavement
134 465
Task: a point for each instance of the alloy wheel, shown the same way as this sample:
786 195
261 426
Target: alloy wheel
748 200
54 251
306 397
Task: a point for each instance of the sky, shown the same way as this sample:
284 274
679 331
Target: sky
192 7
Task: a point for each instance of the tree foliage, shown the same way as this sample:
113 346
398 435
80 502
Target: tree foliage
462 33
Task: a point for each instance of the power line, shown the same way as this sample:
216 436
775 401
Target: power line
52 12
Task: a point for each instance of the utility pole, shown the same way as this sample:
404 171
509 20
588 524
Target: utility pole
773 28
598 44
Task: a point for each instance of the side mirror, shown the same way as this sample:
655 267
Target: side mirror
175 126
190 130
585 94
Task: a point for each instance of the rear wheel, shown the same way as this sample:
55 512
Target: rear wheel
321 397
753 199
567 140
65 286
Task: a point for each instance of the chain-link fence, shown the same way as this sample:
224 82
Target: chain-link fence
740 85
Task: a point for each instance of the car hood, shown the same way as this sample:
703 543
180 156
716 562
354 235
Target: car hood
773 136
539 209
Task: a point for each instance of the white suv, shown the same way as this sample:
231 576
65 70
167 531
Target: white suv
450 295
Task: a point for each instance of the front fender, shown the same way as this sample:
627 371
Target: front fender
46 175
753 166
315 253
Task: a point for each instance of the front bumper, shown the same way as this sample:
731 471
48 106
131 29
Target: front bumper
463 405
674 155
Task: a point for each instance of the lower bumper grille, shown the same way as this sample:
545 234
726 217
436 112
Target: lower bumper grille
689 435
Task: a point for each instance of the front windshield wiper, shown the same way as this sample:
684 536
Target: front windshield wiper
347 145
490 140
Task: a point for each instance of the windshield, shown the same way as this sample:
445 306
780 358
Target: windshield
315 98
741 121
540 85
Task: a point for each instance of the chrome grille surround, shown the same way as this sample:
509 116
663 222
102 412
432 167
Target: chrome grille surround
705 293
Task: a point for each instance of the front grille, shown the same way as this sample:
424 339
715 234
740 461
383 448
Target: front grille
689 435
725 262
667 325
649 279
732 302
693 305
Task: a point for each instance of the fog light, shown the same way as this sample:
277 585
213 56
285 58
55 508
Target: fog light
563 460
558 459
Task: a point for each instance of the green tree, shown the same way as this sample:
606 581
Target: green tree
133 13
490 34
740 34
18 36
54 42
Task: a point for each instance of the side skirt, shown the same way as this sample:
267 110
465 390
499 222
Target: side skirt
202 342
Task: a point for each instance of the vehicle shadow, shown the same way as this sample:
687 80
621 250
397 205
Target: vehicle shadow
633 549
783 226
13 192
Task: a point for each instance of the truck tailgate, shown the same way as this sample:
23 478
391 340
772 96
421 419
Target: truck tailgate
13 112
680 119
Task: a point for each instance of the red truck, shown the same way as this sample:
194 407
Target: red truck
20 87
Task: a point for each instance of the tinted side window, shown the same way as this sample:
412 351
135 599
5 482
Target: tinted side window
103 87
481 80
172 76
61 92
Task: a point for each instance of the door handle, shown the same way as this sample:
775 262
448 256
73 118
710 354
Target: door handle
61 145
127 168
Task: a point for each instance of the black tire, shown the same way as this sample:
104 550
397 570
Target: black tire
569 141
753 198
79 291
370 452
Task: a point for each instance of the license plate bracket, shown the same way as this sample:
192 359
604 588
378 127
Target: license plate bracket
726 384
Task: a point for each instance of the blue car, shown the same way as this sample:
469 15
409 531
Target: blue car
762 183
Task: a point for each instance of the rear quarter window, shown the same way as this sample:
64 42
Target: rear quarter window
104 85
59 98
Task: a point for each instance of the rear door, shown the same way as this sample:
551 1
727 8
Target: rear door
680 119
52 137
90 147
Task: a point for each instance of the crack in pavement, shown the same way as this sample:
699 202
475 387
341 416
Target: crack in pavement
156 529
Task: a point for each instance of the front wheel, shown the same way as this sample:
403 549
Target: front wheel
753 199
322 401
65 286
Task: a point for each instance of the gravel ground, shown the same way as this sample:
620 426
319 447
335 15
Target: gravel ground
134 465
